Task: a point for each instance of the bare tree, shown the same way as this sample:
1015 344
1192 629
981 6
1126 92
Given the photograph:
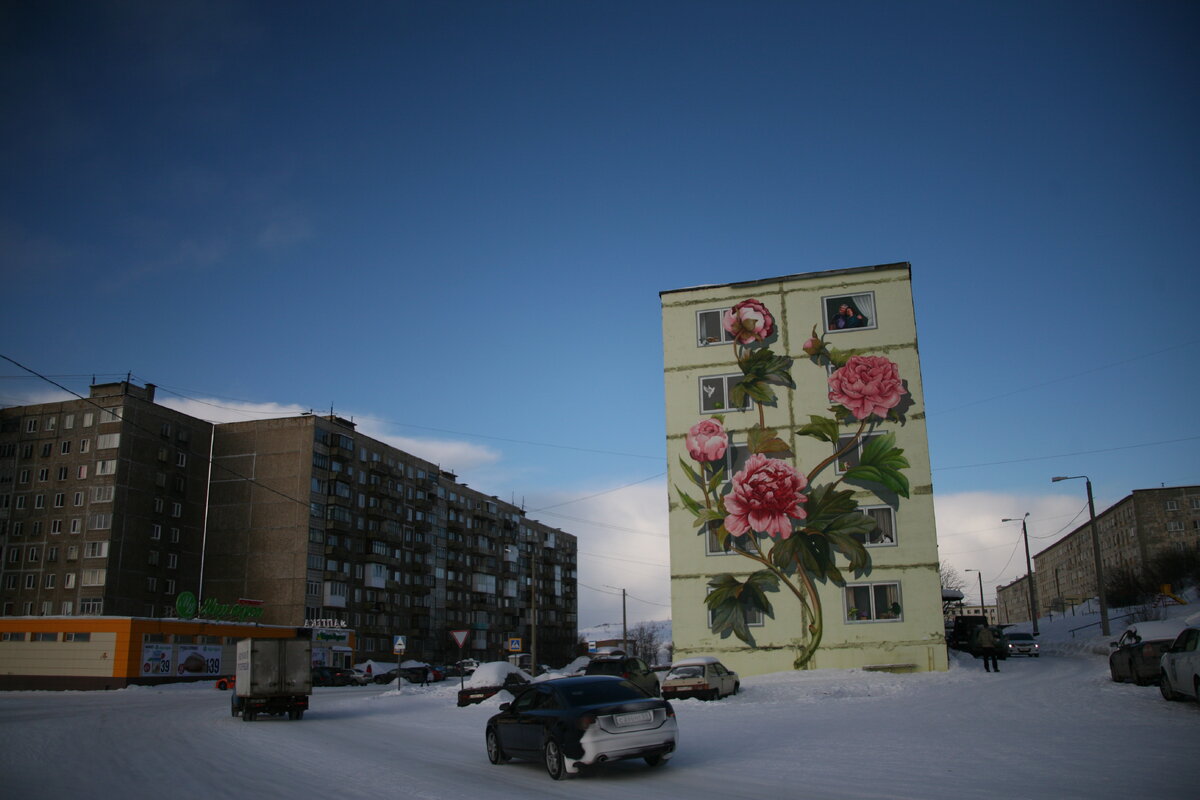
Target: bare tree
644 641
950 577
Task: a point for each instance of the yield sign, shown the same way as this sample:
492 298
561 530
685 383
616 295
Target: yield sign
460 637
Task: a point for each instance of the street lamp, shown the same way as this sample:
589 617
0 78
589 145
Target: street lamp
1095 549
1033 609
982 610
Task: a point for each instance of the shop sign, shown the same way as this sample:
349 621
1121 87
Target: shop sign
187 607
327 636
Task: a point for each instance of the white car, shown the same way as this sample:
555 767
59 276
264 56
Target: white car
361 678
1180 667
704 677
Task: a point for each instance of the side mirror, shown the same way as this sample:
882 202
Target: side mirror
1112 644
504 706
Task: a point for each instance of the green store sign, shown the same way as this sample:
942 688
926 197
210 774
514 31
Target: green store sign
187 607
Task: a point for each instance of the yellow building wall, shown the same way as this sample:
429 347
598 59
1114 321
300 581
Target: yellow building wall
917 639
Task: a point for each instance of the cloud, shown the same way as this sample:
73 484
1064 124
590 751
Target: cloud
623 544
971 535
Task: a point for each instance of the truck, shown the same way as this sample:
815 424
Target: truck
273 676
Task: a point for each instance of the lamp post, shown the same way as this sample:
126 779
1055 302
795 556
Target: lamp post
1095 549
1033 609
982 610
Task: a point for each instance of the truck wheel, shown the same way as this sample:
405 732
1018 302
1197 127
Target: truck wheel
247 714
296 713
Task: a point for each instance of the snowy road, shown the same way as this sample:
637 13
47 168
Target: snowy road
1053 727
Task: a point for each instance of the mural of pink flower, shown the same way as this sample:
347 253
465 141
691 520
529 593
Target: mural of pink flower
707 441
766 497
749 321
867 385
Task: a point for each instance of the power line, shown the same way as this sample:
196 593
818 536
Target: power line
1068 455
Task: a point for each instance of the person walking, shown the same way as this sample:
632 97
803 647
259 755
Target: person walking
985 641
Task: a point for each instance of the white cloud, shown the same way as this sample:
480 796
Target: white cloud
623 544
971 535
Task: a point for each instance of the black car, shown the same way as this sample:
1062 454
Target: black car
571 723
628 667
333 676
1135 659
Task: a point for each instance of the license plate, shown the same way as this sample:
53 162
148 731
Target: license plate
636 718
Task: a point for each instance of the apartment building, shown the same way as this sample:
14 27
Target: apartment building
102 504
106 508
340 530
758 360
1140 527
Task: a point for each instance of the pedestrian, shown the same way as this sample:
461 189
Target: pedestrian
985 643
426 676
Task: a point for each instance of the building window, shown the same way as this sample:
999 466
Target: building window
108 441
78 499
76 525
152 558
871 602
95 550
94 577
63 472
169 586
31 425
716 394
72 553
39 501
172 560
91 605
174 535
35 554
176 510
155 532
885 527
1172 505
847 312
100 522
31 580
710 328
1175 525
82 472
50 576
23 476
151 584
65 447
69 580
181 459
56 526
60 499
77 637
108 467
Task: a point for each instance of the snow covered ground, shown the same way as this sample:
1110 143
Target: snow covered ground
1051 727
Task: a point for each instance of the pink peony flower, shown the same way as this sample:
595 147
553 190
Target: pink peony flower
867 385
766 497
749 322
707 441
813 346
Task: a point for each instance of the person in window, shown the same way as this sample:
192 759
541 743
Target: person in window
848 316
985 646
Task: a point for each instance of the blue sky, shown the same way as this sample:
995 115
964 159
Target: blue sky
452 221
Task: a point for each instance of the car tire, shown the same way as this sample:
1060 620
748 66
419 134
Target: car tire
655 760
1164 688
552 756
494 751
1112 671
737 687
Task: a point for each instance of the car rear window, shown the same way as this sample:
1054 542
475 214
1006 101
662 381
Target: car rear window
685 672
604 668
590 694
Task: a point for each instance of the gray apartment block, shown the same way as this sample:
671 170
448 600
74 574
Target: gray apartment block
106 507
101 504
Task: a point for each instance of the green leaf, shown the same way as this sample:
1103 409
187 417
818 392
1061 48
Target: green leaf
765 440
756 388
689 503
881 462
691 473
731 600
718 477
822 428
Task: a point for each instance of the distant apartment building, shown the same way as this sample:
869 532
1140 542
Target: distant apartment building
1133 531
102 504
332 528
886 616
106 508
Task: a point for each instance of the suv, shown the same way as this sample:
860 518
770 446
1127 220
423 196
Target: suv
628 667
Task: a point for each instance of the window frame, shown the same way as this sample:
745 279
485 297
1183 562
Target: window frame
872 588
725 338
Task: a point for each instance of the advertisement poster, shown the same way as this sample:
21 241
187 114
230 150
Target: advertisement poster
156 659
199 659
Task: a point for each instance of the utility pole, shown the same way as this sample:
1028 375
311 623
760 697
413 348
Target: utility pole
1099 563
1033 609
624 626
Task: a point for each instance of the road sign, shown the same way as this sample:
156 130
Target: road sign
399 644
514 644
460 637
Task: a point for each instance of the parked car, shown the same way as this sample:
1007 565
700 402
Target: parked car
1137 653
470 695
630 668
570 723
704 677
226 682
361 678
333 676
1179 673
385 677
1021 644
421 674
